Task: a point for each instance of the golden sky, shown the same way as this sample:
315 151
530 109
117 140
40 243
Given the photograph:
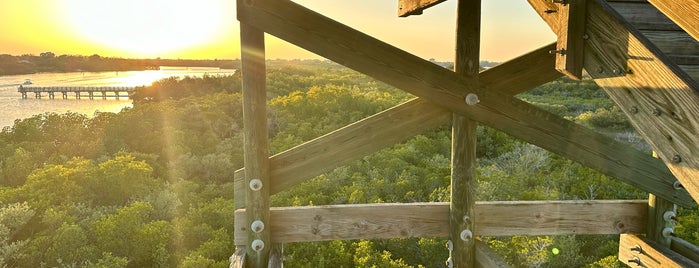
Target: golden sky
208 29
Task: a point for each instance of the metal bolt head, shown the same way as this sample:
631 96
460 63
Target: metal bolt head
258 245
466 235
657 112
676 159
677 185
472 99
257 226
668 232
636 260
637 248
255 184
467 219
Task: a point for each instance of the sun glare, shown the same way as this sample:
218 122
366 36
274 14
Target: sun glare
148 28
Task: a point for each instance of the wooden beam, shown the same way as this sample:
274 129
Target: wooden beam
640 252
344 45
487 258
393 125
673 42
256 146
415 7
685 248
660 99
569 52
657 207
683 13
644 16
463 140
405 220
238 258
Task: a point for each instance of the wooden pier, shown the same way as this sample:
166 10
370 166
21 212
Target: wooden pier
79 92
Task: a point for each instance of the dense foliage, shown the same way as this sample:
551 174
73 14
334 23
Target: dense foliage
152 185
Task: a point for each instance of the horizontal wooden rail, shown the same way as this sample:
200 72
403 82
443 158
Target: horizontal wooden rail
380 221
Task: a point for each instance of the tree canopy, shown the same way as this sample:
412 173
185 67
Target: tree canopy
151 186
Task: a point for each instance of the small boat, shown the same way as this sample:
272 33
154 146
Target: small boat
27 82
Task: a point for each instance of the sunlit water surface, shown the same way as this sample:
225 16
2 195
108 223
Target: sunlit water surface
13 107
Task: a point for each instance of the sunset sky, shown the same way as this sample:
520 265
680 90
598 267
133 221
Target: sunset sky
208 29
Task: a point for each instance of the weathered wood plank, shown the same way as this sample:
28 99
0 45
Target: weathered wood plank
673 42
463 140
683 13
658 97
691 70
415 7
683 60
256 148
640 252
570 45
656 221
403 70
685 248
237 260
644 16
405 220
487 258
394 125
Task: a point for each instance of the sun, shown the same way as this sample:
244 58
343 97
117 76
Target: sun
148 28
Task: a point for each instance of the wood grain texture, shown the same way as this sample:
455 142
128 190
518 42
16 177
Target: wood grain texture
651 254
572 18
403 70
673 42
487 258
683 13
463 139
692 71
638 77
656 221
405 220
256 147
238 258
685 248
644 16
415 7
394 125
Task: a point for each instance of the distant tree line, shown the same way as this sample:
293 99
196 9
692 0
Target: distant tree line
50 62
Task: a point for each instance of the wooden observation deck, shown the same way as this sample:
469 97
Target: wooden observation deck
78 92
643 53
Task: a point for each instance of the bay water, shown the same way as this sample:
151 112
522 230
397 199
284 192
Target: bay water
13 107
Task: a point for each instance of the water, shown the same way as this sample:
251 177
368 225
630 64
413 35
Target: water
13 107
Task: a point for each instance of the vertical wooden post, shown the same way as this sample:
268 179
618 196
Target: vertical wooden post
657 206
256 145
463 156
